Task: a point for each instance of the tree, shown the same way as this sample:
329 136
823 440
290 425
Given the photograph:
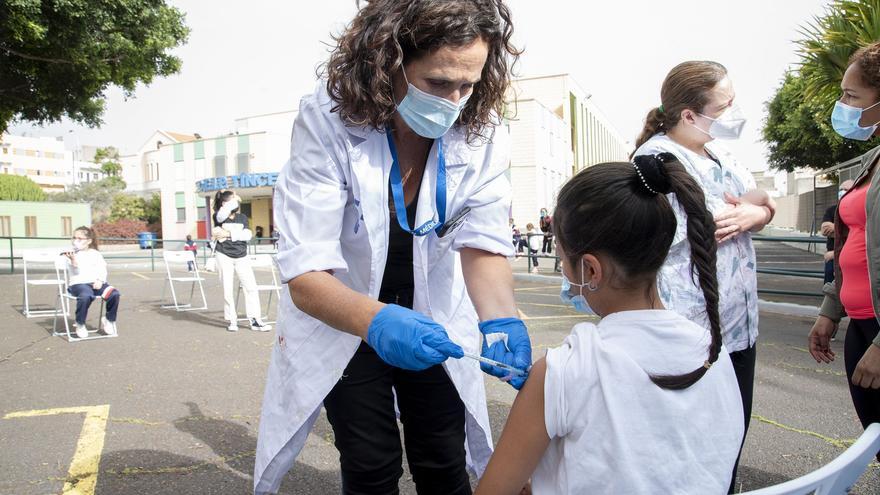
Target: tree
19 188
108 159
58 57
153 209
98 194
797 128
127 207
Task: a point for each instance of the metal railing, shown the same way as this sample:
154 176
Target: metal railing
790 272
148 253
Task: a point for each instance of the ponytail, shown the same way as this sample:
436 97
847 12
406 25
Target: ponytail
655 123
701 238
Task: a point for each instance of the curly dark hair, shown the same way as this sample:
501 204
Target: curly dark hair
385 34
868 60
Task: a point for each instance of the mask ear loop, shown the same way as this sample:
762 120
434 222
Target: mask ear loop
590 286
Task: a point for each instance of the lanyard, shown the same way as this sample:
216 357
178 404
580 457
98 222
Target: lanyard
397 191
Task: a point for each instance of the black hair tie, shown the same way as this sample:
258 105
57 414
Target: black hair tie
651 170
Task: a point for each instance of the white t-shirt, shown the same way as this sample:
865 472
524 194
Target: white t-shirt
613 430
90 267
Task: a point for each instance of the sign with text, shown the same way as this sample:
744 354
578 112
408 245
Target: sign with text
237 181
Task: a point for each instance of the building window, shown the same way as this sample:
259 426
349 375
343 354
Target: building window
5 226
30 226
181 215
66 226
242 163
220 166
202 213
95 176
199 150
178 152
180 204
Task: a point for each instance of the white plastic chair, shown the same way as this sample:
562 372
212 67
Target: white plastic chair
836 477
64 300
182 259
43 257
263 261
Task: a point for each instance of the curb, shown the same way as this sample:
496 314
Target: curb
788 309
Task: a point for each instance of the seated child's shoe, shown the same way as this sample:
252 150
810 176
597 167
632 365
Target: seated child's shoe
81 330
108 326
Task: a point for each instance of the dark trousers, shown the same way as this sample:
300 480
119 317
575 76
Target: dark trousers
829 271
85 294
744 368
859 335
360 409
547 247
534 256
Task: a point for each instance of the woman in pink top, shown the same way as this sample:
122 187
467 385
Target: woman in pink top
856 288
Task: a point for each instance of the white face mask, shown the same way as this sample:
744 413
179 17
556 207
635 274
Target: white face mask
80 244
728 125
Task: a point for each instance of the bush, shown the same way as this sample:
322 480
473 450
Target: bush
125 228
19 188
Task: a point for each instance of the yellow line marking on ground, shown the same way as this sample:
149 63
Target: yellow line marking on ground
522 289
585 318
83 473
799 348
522 316
219 461
841 444
543 305
814 370
136 274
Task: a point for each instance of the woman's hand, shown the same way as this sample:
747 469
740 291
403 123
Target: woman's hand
97 285
867 373
820 340
410 340
506 340
741 216
219 233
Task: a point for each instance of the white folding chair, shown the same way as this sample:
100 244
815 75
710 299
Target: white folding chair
183 259
64 301
263 261
836 477
43 257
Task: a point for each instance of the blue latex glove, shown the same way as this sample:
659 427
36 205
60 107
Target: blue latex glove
410 340
507 340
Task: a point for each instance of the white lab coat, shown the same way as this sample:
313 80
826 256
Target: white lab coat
331 210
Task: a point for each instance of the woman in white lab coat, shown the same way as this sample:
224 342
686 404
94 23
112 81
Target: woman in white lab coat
393 221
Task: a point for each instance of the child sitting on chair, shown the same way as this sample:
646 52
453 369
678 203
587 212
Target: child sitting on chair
88 281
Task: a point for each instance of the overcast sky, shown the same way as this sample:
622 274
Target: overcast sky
247 58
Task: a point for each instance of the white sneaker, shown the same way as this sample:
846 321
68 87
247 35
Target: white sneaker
81 331
535 270
233 327
257 325
108 326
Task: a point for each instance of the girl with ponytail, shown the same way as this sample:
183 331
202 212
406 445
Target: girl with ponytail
697 108
602 412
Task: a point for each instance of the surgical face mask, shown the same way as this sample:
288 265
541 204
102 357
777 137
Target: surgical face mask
841 193
845 121
427 115
728 125
579 302
232 205
80 244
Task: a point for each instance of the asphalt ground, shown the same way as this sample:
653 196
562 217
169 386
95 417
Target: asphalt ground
172 405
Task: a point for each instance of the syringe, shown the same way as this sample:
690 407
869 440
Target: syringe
492 362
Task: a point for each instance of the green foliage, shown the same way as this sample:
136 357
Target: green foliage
797 128
127 207
19 188
58 57
153 209
98 194
108 159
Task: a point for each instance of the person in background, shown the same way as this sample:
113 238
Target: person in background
88 281
697 109
190 245
232 234
517 238
645 401
533 241
546 226
827 230
855 290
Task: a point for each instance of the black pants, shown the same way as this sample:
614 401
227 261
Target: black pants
547 247
859 335
744 368
361 410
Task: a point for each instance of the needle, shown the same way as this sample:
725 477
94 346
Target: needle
492 362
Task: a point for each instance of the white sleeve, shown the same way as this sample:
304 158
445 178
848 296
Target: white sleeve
487 225
310 198
555 397
567 381
101 267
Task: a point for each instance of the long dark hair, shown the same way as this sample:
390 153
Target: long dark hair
638 231
91 234
687 86
220 197
385 34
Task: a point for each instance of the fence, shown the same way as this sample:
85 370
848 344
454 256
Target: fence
12 253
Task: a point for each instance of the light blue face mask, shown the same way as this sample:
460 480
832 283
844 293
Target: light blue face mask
427 115
845 121
579 302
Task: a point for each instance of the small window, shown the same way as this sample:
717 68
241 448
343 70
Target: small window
66 226
5 226
30 226
178 152
220 166
202 212
181 215
242 163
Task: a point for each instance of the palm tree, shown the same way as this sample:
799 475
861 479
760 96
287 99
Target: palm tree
830 40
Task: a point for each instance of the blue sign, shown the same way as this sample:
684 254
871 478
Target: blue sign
237 182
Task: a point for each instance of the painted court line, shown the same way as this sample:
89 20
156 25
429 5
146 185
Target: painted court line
136 274
83 473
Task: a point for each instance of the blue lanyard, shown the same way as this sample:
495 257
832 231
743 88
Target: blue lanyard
397 191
